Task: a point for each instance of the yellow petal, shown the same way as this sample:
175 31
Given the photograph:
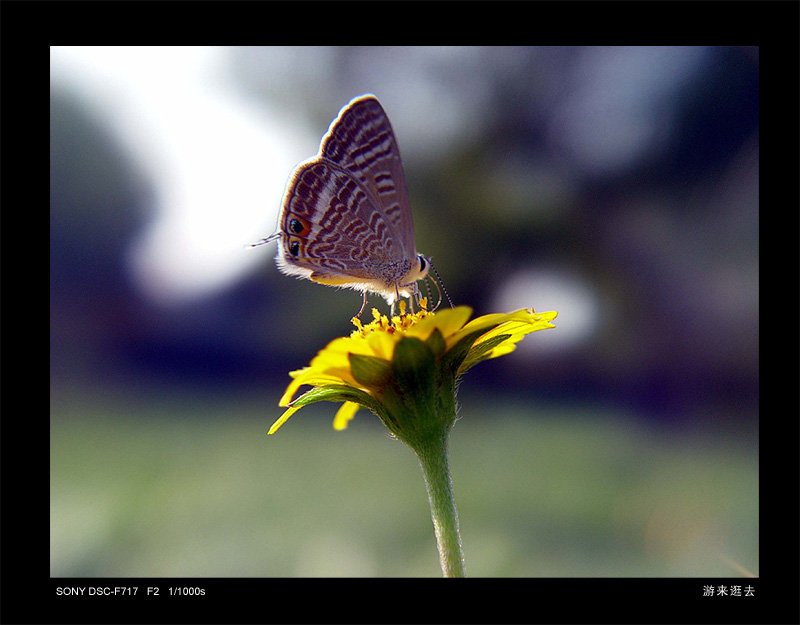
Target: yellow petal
493 319
344 415
448 321
314 377
381 344
283 419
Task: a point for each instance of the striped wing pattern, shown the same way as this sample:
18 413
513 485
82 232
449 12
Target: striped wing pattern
346 212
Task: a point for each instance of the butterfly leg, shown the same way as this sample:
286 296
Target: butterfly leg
415 296
363 305
396 298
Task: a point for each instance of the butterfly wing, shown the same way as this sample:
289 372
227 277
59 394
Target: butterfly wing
331 228
346 217
361 141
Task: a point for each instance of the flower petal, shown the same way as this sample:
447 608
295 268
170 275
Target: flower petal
449 321
344 415
283 418
502 339
313 377
382 344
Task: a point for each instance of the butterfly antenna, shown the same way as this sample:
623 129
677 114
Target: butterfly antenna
428 280
271 237
428 289
440 286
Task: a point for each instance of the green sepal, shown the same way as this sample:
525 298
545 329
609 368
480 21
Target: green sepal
476 354
414 369
370 371
341 393
437 343
456 355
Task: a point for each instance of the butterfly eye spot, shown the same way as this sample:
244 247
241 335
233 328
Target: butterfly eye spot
294 248
297 226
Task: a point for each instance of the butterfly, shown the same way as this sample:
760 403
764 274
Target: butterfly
345 218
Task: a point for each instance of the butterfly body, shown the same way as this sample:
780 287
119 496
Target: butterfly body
346 218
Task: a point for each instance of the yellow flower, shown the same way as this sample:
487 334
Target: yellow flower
407 366
405 370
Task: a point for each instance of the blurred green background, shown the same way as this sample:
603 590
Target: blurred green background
618 186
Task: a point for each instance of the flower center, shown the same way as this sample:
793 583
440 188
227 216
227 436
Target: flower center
382 323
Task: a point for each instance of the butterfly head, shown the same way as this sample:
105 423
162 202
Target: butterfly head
420 270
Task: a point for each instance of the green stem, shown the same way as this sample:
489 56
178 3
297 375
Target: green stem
433 458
